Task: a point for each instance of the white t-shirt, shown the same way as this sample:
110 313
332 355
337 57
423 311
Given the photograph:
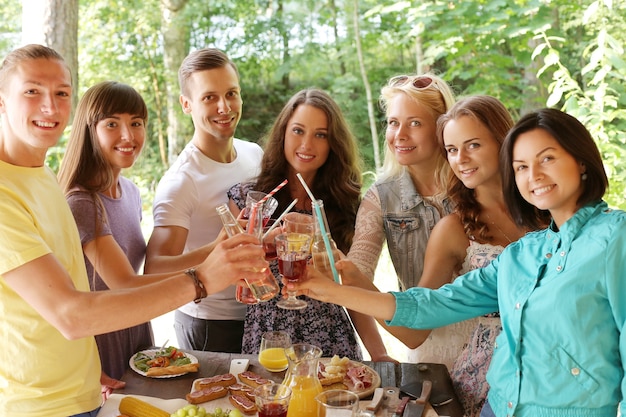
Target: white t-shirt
187 196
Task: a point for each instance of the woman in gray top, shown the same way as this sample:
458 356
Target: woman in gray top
409 198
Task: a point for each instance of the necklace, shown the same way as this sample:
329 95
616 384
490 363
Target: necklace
496 226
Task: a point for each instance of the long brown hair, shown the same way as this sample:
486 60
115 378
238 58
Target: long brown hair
492 114
84 164
337 182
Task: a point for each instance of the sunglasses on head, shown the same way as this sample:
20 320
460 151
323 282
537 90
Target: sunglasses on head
419 82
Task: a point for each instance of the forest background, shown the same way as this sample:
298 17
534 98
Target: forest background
567 54
528 53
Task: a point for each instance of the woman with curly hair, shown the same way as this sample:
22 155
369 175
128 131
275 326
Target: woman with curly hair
311 137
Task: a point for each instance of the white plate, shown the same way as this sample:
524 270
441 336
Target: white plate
111 406
151 352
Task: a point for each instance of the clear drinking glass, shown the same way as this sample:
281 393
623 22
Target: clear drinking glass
269 206
293 250
263 289
337 402
272 350
272 399
299 223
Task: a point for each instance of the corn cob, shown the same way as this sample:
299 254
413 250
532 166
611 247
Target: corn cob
134 407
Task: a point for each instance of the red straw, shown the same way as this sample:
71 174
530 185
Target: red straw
271 193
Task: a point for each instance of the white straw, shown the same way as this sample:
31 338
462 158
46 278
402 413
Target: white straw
306 187
277 221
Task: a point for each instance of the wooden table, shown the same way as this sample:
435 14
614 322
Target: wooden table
216 363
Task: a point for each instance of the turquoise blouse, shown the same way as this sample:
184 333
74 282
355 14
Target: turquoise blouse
561 295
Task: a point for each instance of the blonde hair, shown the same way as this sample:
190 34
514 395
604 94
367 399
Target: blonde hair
431 92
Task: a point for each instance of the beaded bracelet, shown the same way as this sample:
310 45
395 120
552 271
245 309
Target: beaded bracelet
200 290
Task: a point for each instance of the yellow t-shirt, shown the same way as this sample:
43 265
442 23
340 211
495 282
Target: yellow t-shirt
41 372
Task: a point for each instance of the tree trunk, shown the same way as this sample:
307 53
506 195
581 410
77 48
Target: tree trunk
368 89
54 23
175 46
284 34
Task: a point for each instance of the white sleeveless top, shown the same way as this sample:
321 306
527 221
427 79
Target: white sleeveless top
444 345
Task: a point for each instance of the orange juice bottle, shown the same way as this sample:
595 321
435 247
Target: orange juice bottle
304 389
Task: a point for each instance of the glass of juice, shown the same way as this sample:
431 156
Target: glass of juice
272 400
293 251
272 351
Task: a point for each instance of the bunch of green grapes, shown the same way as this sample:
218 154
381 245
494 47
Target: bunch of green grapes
193 410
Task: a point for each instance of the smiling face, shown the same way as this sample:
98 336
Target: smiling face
546 175
410 132
214 103
35 105
121 137
306 140
472 152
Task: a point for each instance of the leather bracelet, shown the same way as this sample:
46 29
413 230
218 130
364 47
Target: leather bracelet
200 290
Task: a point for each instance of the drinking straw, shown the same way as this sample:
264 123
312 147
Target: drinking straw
271 193
279 218
320 221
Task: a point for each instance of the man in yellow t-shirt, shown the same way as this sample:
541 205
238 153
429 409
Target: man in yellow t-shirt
49 361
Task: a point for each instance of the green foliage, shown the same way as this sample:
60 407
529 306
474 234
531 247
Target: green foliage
595 92
528 53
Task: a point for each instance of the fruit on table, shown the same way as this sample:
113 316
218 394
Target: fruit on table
134 407
193 410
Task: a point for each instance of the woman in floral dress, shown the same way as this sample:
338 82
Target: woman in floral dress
309 137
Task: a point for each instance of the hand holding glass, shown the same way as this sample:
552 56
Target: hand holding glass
259 290
293 250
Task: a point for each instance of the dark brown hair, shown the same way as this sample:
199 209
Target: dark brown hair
84 164
492 114
575 140
337 182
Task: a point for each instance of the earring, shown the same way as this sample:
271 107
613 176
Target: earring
583 176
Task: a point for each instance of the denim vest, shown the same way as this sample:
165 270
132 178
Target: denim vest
408 220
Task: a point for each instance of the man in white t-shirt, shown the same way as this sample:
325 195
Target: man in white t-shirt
185 220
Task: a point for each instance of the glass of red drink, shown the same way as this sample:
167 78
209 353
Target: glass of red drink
272 400
293 250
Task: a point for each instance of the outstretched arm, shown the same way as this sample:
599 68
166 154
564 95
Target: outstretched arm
46 285
165 250
318 286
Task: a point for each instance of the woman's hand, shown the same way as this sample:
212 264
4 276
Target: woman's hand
351 275
315 285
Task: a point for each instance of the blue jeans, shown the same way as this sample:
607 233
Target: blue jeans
209 335
487 411
93 413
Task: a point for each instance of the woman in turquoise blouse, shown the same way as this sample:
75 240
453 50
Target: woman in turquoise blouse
561 291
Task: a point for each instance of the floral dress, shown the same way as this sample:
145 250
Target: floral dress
470 368
325 325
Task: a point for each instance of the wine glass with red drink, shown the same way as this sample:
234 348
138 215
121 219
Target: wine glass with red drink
293 250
